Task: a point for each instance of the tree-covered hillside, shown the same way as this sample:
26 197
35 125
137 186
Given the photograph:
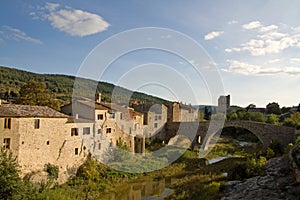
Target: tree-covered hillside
61 86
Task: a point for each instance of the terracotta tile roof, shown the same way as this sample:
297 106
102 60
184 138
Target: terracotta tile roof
13 110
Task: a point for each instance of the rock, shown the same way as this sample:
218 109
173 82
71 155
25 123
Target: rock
277 183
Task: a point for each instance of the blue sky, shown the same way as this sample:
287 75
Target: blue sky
255 45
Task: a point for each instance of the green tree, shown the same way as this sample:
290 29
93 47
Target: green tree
233 115
257 116
293 121
273 119
36 93
273 108
10 182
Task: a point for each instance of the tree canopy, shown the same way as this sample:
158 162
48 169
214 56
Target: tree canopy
36 93
273 108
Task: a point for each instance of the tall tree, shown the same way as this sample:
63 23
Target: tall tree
36 93
273 108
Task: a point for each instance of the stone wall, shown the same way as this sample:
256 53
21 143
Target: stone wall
206 130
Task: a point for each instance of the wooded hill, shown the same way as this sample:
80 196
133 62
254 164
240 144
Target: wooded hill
61 87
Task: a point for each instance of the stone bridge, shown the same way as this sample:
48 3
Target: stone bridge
203 132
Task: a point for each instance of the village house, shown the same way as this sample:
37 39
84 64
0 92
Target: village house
155 117
39 135
115 123
178 112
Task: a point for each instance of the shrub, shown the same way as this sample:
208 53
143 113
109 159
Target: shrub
10 182
277 147
52 171
270 153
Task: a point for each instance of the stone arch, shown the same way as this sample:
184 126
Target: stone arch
264 132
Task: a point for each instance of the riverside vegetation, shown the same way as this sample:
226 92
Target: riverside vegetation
195 179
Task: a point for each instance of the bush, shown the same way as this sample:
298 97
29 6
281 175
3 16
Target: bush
277 147
52 171
270 153
10 182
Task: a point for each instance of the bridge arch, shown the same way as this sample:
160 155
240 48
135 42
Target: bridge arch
264 132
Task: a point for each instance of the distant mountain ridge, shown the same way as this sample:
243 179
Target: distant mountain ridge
61 86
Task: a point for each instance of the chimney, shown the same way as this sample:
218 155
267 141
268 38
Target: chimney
98 97
76 116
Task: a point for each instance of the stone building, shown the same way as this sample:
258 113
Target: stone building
38 135
155 117
178 112
224 102
113 122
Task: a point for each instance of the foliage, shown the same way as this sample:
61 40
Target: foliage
255 166
277 147
233 115
273 119
10 182
61 86
293 121
273 108
242 114
52 171
270 153
36 93
218 116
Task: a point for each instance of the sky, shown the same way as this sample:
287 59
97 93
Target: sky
248 49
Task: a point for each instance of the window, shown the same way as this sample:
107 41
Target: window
130 130
112 115
99 146
6 143
36 123
76 151
121 116
74 131
48 142
108 130
155 125
86 131
100 117
159 117
155 118
99 131
7 123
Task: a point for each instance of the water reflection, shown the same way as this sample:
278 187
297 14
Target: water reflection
147 189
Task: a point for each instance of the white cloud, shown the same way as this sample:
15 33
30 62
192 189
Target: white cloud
252 25
274 61
242 68
213 35
17 35
294 60
51 6
268 28
73 21
239 67
269 42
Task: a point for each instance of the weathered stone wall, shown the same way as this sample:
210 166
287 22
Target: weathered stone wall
51 143
12 133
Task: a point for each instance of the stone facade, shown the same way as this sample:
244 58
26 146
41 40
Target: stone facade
178 112
38 139
114 123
